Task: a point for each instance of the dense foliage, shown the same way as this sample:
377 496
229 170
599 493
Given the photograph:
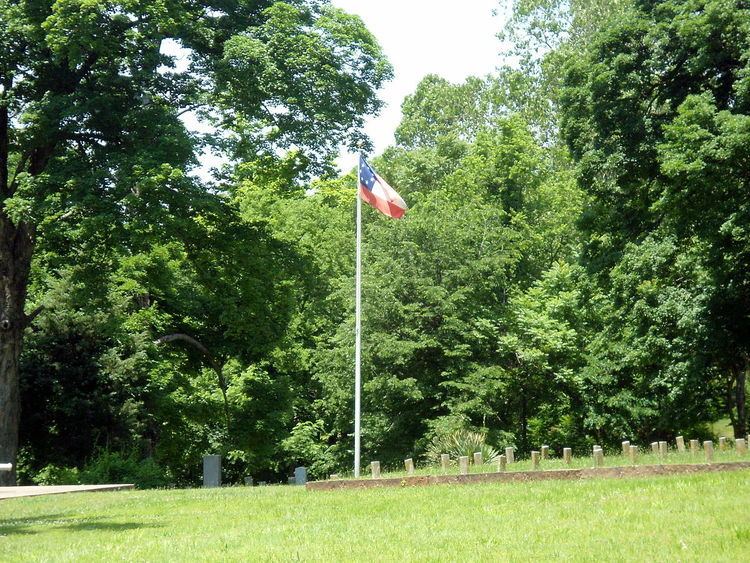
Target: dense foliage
572 270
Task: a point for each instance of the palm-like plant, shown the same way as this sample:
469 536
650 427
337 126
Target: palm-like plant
462 443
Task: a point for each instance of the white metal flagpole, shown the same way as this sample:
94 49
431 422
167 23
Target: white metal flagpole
358 333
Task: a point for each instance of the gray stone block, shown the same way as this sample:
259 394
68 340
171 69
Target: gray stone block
300 475
211 471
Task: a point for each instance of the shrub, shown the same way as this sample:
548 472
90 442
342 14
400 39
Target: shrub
55 475
116 467
461 443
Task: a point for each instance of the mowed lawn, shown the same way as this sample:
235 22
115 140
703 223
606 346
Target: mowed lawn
696 517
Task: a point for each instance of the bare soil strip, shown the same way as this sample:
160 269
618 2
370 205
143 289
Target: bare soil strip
516 476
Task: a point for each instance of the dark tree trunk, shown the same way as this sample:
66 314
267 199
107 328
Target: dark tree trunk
16 246
740 423
15 260
524 425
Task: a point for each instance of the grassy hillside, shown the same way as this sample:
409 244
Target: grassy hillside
698 517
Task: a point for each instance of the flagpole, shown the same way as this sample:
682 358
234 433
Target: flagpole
358 333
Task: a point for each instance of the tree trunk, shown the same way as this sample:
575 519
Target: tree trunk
16 246
524 425
740 423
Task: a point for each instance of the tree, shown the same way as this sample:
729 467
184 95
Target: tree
438 109
656 117
488 212
542 35
90 135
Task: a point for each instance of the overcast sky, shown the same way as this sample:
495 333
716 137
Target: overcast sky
420 37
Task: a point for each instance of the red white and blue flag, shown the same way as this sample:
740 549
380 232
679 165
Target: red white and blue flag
376 191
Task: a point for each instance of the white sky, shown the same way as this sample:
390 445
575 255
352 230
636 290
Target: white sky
452 39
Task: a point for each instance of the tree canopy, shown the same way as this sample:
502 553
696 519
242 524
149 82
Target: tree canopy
572 270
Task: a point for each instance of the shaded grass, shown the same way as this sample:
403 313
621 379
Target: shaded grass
722 427
686 517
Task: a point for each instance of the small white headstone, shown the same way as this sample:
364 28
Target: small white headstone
463 465
741 446
708 448
501 463
445 461
680 443
409 466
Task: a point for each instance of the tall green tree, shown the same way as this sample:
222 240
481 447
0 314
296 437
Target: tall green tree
656 117
488 213
90 131
541 35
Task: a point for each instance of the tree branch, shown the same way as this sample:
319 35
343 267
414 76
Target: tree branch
195 344
33 315
178 336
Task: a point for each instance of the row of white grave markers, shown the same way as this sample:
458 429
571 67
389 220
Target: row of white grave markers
660 448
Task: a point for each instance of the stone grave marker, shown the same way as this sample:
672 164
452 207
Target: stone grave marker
445 461
663 449
600 458
741 446
409 465
211 471
708 447
463 465
501 463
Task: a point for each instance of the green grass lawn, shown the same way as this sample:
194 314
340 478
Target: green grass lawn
696 517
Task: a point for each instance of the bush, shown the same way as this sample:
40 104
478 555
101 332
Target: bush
461 443
116 467
55 475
